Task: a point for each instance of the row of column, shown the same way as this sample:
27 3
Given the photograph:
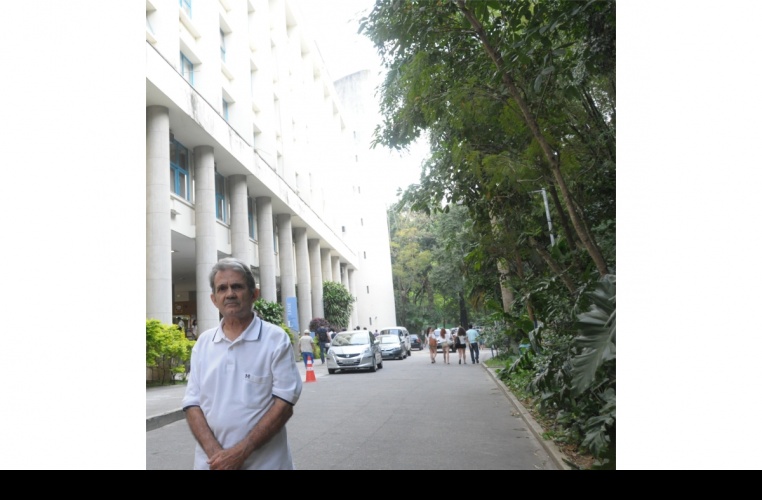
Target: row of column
312 262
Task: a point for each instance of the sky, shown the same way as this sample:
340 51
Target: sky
334 26
72 212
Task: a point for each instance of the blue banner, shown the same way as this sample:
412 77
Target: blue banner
292 314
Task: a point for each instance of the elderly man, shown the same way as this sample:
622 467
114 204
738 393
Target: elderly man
243 382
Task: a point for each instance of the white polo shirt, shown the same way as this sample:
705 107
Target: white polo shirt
234 382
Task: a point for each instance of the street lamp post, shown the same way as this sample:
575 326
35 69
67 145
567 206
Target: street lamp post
547 214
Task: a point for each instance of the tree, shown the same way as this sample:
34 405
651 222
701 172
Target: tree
503 88
337 304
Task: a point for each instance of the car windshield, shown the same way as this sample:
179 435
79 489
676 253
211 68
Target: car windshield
389 339
350 339
392 330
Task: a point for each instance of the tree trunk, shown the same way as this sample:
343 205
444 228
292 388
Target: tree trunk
463 309
586 238
505 292
528 303
553 265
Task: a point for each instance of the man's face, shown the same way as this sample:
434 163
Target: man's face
231 295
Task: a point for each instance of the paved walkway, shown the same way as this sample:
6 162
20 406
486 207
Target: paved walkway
163 406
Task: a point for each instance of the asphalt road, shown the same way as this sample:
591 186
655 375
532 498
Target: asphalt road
409 415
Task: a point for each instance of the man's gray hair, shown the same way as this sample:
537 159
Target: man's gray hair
229 263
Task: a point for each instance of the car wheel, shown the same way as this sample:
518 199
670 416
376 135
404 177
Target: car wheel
331 371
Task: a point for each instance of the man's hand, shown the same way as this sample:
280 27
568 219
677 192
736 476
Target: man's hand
231 459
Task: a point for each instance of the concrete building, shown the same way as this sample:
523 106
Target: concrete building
250 154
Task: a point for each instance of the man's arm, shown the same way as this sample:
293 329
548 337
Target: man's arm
269 425
201 431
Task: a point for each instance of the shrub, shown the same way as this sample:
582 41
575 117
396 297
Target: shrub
273 312
167 350
337 302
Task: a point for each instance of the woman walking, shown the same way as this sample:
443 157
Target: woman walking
461 339
446 342
432 340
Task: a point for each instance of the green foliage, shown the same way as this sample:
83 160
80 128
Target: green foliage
274 313
337 304
167 350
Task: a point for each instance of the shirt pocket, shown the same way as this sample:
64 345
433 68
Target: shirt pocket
257 391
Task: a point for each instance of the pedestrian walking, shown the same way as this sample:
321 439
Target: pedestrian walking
473 343
446 344
243 382
461 339
306 349
324 342
432 341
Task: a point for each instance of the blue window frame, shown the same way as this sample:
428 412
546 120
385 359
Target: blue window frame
179 168
186 68
222 44
252 220
219 196
225 110
186 6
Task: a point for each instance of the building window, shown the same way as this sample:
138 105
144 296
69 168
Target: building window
225 110
179 167
367 288
222 44
186 6
252 220
219 197
186 68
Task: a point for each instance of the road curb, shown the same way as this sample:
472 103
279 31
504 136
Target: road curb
555 454
153 423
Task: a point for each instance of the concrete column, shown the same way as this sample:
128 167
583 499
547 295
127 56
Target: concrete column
287 271
336 269
158 229
325 258
239 219
352 287
345 277
316 278
206 241
303 279
268 285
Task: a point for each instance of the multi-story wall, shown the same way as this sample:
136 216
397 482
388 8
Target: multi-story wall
250 154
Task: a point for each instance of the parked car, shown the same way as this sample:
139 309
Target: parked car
402 332
392 346
415 342
354 350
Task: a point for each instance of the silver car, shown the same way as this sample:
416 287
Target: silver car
392 346
403 334
354 350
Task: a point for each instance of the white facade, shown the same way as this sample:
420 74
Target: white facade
250 154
